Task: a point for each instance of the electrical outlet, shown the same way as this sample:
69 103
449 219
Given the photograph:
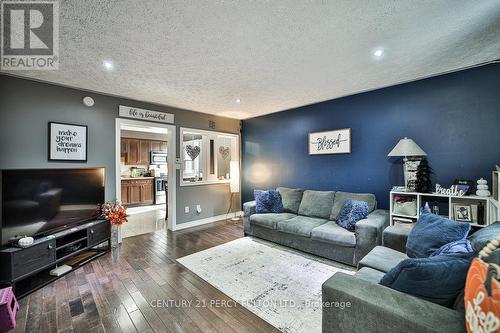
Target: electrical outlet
186 209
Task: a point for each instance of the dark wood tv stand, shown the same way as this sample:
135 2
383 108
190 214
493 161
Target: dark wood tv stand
28 269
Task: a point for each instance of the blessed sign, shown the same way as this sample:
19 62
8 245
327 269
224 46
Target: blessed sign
67 142
331 142
142 114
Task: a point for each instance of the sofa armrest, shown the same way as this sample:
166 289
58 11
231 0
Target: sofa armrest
370 307
395 237
369 233
248 210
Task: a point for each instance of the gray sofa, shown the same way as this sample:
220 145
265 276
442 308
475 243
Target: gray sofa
376 308
308 224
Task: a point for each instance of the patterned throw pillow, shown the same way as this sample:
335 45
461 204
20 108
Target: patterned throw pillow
351 212
268 202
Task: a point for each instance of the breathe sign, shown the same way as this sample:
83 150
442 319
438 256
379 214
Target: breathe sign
331 142
67 142
142 114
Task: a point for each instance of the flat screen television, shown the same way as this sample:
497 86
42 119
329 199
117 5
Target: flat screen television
36 202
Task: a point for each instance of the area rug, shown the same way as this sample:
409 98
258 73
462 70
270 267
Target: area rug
278 284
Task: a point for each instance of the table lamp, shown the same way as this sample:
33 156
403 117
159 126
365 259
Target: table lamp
234 183
406 147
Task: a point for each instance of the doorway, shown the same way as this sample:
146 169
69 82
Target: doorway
145 174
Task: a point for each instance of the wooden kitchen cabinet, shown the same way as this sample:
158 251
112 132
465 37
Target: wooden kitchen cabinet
155 146
134 193
138 151
125 196
163 146
133 152
137 192
123 150
147 192
144 150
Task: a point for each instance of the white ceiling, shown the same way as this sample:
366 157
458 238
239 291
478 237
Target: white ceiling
274 55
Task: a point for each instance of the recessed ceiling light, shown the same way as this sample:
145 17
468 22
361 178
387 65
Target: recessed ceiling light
238 101
378 52
108 65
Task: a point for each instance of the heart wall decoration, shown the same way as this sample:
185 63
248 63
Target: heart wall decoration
225 152
193 151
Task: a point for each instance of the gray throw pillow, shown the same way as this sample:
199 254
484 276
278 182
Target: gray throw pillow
341 197
317 203
483 236
291 198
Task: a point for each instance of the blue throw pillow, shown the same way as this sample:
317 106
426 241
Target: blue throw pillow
351 212
268 202
459 246
437 279
431 232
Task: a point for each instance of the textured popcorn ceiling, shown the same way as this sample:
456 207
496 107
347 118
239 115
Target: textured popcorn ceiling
274 55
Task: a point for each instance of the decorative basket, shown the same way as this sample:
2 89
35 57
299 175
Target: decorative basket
408 208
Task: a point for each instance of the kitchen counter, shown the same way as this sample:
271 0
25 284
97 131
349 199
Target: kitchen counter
136 178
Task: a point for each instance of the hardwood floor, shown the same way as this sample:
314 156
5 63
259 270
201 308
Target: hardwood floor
141 288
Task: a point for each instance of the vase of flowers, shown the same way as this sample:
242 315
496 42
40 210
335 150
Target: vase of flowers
116 214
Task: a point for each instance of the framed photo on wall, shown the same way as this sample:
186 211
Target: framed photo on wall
330 142
67 142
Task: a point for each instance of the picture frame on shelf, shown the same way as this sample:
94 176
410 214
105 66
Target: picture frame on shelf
462 213
464 185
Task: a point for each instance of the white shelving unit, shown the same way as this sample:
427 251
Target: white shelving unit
495 197
491 209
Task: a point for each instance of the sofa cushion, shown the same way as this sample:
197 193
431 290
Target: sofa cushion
332 233
291 198
437 279
431 232
382 259
317 203
300 225
269 220
352 211
340 197
267 201
369 274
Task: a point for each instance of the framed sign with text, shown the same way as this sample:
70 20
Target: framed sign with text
67 142
143 114
330 142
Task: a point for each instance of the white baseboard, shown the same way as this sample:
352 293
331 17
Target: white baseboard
206 221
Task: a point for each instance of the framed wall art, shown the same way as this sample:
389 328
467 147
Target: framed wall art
67 142
330 142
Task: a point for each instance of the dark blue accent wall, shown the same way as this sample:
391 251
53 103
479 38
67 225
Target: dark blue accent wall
455 118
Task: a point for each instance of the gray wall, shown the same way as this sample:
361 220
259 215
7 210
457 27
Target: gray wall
27 106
